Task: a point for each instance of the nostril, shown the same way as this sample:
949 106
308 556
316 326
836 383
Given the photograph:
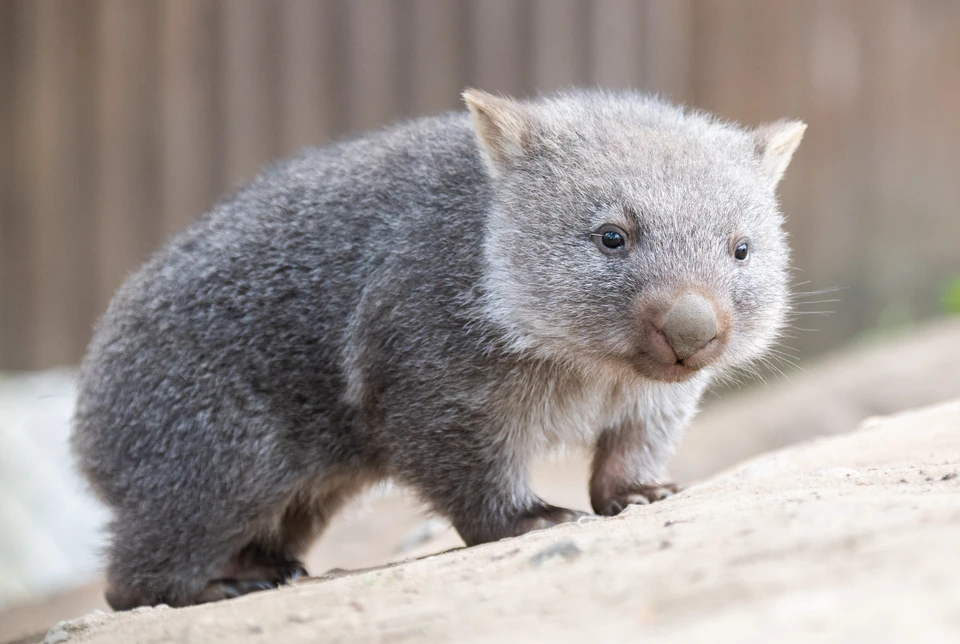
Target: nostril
689 325
685 360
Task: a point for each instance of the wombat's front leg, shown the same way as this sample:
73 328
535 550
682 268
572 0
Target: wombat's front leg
629 467
486 495
498 517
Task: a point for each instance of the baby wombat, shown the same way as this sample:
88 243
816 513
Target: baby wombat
434 303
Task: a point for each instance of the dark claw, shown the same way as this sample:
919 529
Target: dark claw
219 589
635 495
254 585
293 571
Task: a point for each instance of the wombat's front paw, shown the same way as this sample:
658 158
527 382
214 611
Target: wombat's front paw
547 516
637 495
280 572
253 577
220 589
476 530
252 564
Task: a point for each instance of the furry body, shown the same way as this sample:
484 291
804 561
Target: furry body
425 303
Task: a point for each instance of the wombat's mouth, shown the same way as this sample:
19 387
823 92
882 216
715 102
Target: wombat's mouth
675 372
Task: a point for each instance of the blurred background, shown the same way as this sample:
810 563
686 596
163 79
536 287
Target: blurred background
122 120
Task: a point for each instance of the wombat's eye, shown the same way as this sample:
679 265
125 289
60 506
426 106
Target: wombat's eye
610 240
741 250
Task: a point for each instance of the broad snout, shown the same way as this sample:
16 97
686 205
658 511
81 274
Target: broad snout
690 325
682 333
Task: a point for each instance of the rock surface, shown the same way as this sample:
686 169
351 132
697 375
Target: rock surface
854 537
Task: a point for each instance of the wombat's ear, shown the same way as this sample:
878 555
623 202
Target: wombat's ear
502 126
775 143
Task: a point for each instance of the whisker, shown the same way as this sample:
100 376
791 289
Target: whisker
821 302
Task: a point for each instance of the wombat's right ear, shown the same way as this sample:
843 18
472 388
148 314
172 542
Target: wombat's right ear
775 144
502 126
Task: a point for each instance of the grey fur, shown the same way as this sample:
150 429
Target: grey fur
424 303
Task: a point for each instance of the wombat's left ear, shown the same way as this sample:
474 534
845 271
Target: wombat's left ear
502 126
775 144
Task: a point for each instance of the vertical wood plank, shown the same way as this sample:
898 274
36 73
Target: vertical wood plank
372 56
774 59
837 181
885 69
905 89
84 79
669 50
437 59
826 209
499 46
309 59
250 84
53 138
128 224
560 55
719 60
618 39
16 305
190 162
928 148
940 149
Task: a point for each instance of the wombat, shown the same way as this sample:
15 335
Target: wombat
433 303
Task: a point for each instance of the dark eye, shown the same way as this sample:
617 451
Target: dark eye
741 250
610 240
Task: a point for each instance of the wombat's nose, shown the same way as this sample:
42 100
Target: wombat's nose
690 324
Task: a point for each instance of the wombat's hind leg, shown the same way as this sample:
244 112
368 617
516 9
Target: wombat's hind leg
255 567
275 560
147 567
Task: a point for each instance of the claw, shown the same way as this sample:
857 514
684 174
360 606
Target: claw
637 495
219 589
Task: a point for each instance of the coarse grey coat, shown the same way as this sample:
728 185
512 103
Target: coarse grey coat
436 303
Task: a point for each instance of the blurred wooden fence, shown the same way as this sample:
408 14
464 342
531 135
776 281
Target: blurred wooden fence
121 120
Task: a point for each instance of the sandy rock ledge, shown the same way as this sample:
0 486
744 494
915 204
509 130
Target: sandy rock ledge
846 538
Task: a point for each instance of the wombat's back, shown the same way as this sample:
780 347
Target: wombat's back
229 343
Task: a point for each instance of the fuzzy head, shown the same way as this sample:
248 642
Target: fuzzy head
628 231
